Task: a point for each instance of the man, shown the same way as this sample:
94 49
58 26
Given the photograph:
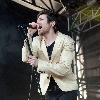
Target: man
53 53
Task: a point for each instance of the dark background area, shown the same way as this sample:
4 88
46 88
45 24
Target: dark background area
14 74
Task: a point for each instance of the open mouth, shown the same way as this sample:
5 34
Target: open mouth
39 27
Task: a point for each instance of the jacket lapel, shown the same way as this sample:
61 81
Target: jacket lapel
44 49
57 45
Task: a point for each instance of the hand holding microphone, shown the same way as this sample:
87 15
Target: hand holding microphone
32 28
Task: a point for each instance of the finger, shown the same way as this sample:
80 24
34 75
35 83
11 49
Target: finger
30 61
31 64
30 57
34 24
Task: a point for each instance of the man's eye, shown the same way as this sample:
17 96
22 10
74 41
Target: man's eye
41 19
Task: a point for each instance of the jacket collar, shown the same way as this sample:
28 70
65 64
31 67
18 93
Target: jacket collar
58 43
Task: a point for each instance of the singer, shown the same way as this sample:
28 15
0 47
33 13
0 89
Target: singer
53 53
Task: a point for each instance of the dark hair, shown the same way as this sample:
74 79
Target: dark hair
51 16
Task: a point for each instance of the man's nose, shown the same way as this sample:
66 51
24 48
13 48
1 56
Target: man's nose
38 23
37 20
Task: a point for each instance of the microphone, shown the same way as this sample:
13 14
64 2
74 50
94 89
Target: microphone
24 26
30 26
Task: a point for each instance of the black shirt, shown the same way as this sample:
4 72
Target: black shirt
50 49
52 84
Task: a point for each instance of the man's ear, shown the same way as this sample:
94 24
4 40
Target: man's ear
53 23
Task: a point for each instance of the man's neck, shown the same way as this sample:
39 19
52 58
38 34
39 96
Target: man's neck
50 37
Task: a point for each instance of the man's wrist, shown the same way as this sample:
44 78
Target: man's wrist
29 36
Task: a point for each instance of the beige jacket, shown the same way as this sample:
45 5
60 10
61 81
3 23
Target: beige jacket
60 64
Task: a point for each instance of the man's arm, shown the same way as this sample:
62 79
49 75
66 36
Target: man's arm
64 65
25 51
34 48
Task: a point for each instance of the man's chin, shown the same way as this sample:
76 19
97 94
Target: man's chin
39 33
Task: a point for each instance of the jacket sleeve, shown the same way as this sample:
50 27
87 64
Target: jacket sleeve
64 65
34 48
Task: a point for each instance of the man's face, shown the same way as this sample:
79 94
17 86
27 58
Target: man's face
43 24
